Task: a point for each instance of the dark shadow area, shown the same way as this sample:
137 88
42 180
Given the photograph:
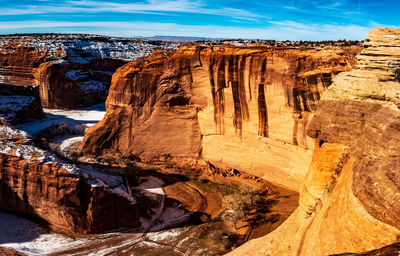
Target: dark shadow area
22 225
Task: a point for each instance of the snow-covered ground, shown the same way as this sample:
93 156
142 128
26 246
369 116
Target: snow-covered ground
84 48
69 141
78 117
11 104
28 237
152 184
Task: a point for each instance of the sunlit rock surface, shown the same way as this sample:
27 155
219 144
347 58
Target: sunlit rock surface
349 201
240 107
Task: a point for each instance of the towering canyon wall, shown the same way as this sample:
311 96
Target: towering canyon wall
349 201
35 183
240 107
71 70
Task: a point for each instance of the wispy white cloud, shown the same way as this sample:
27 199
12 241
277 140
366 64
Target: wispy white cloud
149 7
287 30
278 19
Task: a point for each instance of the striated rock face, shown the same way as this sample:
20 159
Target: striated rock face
66 84
71 70
349 201
244 108
35 183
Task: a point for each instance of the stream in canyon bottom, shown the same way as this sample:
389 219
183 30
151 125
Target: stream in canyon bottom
184 210
179 216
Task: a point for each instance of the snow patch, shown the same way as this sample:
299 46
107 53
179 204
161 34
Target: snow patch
82 117
28 152
391 36
92 86
8 133
163 235
109 179
152 185
83 49
65 144
29 238
10 105
76 74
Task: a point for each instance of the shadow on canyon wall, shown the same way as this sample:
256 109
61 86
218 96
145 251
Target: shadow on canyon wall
18 227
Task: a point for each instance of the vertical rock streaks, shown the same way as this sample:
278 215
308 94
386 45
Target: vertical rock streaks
262 105
218 100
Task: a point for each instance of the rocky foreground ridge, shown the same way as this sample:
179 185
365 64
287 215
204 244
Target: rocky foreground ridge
37 184
349 200
71 70
239 107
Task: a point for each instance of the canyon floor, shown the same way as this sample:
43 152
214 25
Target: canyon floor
185 210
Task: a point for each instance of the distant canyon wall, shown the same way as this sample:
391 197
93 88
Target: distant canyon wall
72 71
238 107
349 200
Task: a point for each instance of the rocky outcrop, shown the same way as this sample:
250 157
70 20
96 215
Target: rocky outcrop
68 85
35 183
349 201
393 249
71 70
19 104
240 107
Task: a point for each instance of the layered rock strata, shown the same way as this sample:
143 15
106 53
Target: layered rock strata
35 183
349 201
240 107
71 70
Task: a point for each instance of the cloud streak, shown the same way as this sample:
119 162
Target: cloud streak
278 19
287 30
150 7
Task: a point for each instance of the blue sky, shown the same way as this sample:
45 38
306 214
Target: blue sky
279 19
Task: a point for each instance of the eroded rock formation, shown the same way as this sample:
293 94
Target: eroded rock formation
244 108
19 104
35 183
71 70
349 201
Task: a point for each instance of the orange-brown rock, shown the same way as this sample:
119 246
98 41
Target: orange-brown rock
393 249
246 108
349 201
9 252
72 70
35 183
73 85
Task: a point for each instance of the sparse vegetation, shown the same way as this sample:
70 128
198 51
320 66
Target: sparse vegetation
240 206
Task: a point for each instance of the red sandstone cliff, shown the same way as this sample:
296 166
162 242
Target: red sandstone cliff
350 198
72 71
246 108
35 183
